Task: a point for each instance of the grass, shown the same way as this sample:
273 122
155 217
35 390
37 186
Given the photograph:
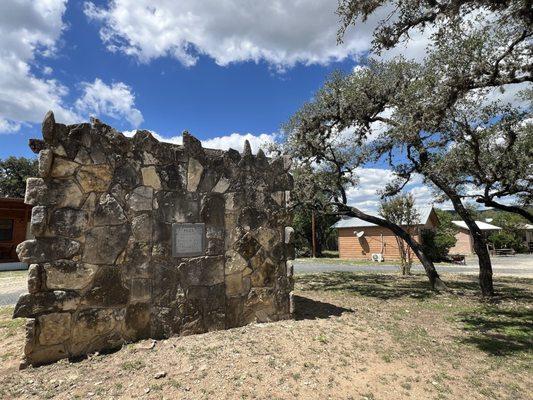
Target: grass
13 274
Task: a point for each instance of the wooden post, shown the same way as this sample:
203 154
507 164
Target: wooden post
313 232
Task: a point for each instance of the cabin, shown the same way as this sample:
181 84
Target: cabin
14 227
360 240
465 242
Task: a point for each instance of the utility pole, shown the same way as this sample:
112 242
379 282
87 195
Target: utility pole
313 232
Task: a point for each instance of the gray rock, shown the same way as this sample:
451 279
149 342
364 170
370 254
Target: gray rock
141 199
32 305
194 174
68 222
46 157
47 249
107 289
142 228
68 275
35 281
104 244
109 212
205 271
38 220
48 126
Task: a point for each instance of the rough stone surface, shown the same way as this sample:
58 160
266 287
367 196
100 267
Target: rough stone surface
68 274
47 249
38 220
102 270
54 328
46 158
63 168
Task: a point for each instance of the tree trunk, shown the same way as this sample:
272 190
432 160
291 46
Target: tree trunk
431 272
480 247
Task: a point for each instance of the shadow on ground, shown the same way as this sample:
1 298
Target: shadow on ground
393 286
499 332
382 286
306 308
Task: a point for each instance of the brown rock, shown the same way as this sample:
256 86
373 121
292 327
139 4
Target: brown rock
94 178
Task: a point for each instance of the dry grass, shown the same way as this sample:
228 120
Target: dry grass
355 336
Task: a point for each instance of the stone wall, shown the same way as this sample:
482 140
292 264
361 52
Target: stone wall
102 271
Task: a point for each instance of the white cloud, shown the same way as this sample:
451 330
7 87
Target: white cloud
234 140
281 33
28 28
371 180
8 126
115 100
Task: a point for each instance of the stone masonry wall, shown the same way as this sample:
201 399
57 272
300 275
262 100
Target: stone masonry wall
102 271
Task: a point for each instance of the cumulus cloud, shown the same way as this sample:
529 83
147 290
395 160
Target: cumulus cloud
233 140
116 100
228 31
29 28
371 180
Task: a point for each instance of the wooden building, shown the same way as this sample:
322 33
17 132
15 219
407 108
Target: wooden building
465 243
14 227
359 239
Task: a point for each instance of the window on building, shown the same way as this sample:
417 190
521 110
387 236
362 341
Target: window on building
6 230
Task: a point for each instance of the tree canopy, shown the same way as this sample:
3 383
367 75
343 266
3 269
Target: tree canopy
13 174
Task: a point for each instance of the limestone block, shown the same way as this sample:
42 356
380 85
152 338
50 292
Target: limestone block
149 159
46 157
94 178
141 290
67 274
62 193
194 174
234 263
36 191
35 282
32 305
137 321
83 157
54 328
237 285
95 329
90 203
278 197
68 222
47 249
59 150
151 178
265 275
46 354
247 246
222 185
142 228
38 220
267 237
48 126
141 199
204 271
108 211
107 289
63 168
103 244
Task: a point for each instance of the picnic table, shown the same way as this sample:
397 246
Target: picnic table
458 259
505 252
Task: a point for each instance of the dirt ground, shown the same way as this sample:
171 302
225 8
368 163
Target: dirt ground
355 336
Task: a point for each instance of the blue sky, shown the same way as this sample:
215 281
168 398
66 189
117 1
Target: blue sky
225 70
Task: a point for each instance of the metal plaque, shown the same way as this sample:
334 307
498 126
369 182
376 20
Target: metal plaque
188 240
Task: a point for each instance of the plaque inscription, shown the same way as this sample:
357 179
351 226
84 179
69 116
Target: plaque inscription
188 240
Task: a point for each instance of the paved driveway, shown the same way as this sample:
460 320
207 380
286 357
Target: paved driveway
12 285
519 265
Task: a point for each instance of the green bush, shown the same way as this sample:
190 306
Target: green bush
507 240
437 244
